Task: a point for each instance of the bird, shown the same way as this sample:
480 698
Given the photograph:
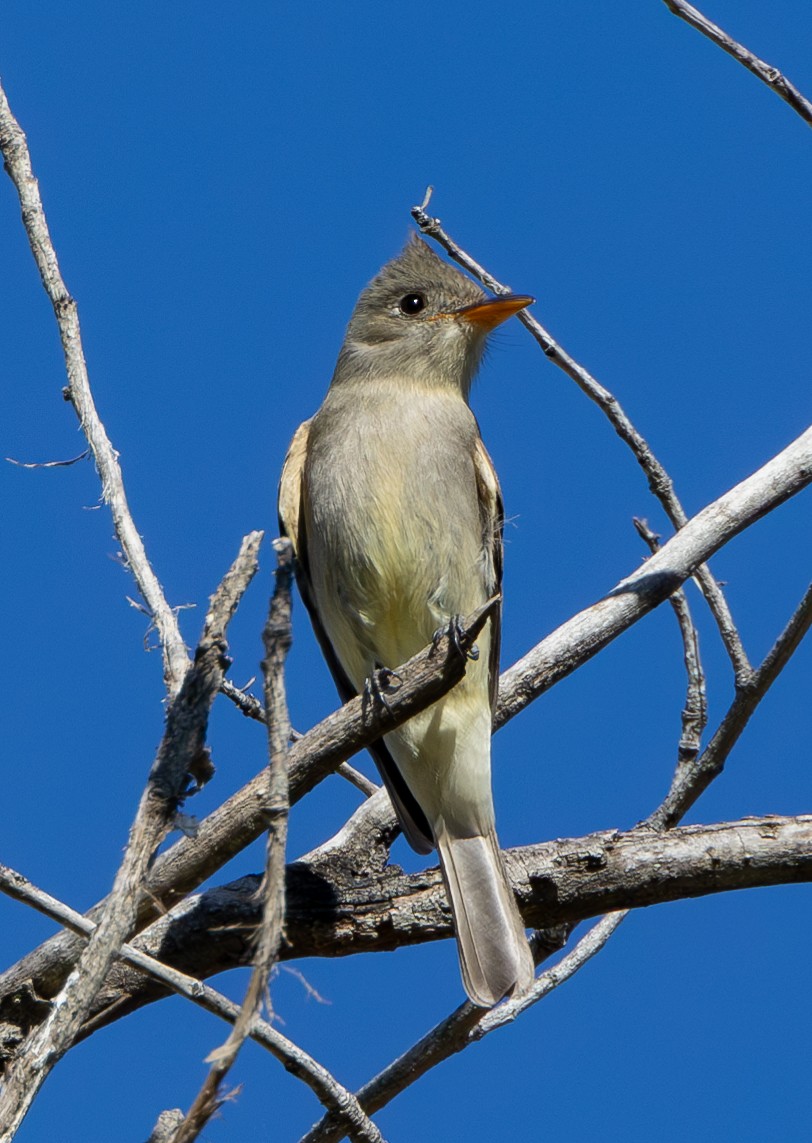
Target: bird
394 511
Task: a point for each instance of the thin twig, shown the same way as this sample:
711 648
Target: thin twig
695 711
357 779
49 463
277 639
18 164
327 1089
250 706
180 754
588 946
658 479
764 71
690 781
464 1027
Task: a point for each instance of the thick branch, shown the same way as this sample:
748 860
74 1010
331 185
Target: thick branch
334 912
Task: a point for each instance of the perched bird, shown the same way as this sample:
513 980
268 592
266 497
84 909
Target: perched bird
395 514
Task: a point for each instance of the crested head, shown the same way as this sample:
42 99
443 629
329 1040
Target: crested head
409 325
416 268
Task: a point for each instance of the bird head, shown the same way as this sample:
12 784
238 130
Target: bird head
421 321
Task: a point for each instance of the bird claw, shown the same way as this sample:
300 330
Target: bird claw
456 634
379 684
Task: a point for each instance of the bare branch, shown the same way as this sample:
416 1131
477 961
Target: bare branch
250 706
179 755
18 164
695 711
49 463
167 1125
588 632
357 779
277 639
332 912
658 479
240 819
327 1089
588 946
691 780
764 71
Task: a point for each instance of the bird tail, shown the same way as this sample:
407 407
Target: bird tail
495 957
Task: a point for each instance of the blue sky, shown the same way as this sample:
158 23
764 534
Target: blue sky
220 183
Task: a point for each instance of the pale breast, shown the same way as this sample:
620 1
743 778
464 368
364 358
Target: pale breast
393 523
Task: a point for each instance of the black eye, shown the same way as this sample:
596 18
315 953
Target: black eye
412 304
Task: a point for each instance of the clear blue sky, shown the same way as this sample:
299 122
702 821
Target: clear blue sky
220 182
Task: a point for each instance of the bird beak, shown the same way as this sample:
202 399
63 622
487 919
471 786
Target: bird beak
488 315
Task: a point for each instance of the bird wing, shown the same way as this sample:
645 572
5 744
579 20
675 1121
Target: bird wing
291 502
492 515
292 524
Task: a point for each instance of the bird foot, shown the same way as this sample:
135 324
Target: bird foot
379 684
456 633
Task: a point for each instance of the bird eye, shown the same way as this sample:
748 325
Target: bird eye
412 304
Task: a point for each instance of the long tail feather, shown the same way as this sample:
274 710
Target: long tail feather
495 957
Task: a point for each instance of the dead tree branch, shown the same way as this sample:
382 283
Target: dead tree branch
241 819
327 1089
692 779
591 630
332 911
277 639
695 711
17 159
768 74
180 755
